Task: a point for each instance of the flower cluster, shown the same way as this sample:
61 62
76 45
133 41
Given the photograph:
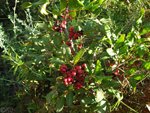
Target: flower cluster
75 76
73 34
59 27
68 44
80 46
116 73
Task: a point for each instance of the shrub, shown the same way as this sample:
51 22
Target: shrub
81 56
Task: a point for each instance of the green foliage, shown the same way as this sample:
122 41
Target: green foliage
106 38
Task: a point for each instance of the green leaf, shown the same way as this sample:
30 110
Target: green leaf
72 14
4 56
133 70
100 78
74 4
89 32
138 76
110 84
43 10
26 5
112 92
86 79
88 29
103 54
120 41
96 6
147 24
79 55
99 95
20 63
57 60
63 4
59 104
69 98
50 95
40 2
39 58
139 20
123 50
141 50
89 5
108 33
46 43
105 57
103 107
97 70
132 82
147 65
79 4
97 11
144 31
117 31
55 13
90 100
57 40
148 58
110 51
67 52
81 90
133 60
86 2
15 69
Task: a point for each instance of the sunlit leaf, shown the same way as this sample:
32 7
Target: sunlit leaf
43 9
55 13
99 95
94 7
79 55
138 76
110 52
72 14
147 65
120 41
144 31
20 63
141 50
26 5
108 33
5 56
98 68
89 5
